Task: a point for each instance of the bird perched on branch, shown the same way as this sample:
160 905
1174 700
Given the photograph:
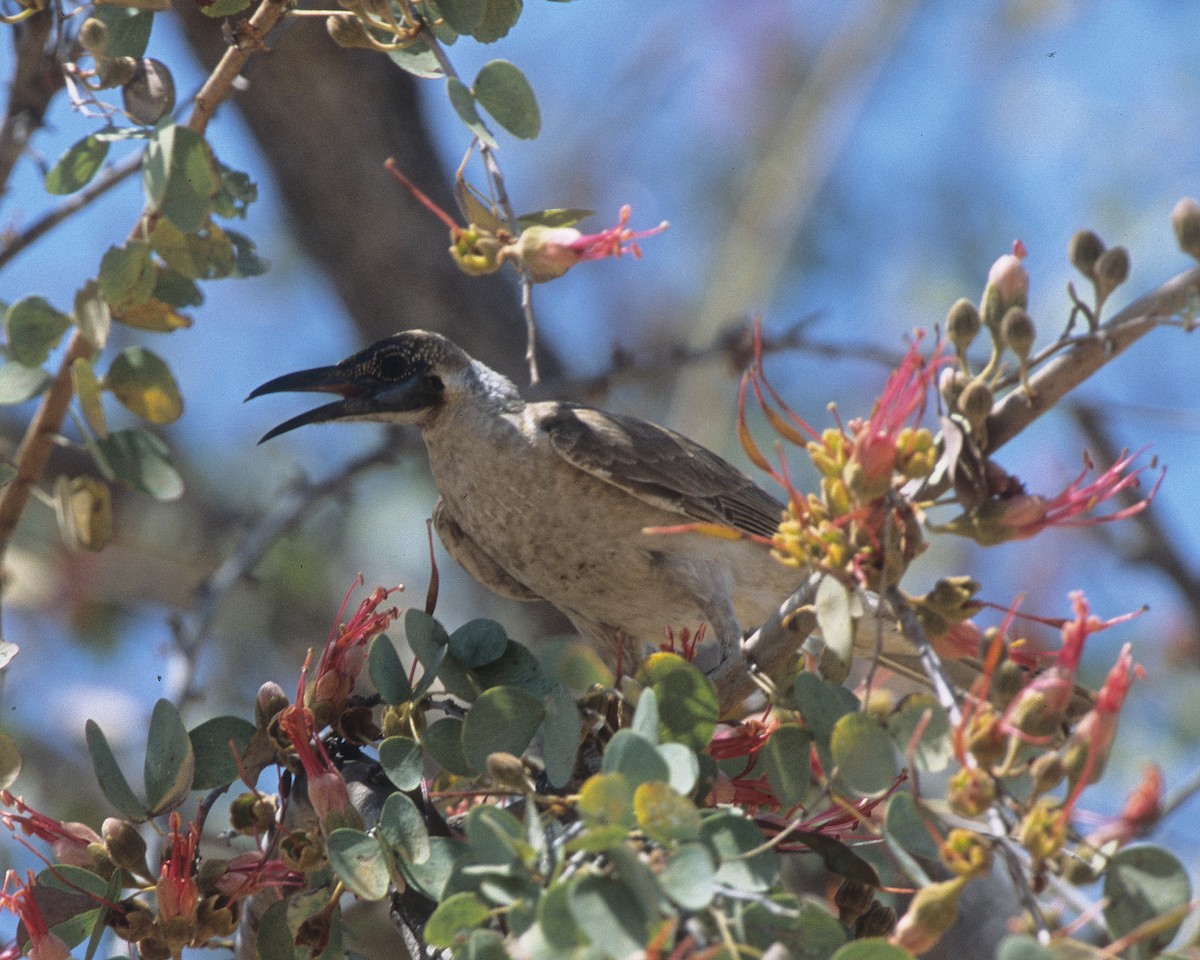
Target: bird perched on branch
551 500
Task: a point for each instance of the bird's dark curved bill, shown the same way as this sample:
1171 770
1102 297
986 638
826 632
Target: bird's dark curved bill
330 411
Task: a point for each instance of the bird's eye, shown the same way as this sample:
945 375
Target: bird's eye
393 366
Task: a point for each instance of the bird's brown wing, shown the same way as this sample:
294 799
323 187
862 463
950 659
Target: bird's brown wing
474 559
660 467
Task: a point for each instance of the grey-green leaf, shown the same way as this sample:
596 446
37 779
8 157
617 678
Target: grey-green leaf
170 761
108 774
359 861
560 736
502 90
214 744
387 672
1142 883
501 719
78 164
34 329
140 460
402 761
402 828
19 382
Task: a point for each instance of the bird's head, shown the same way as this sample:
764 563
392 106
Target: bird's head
406 379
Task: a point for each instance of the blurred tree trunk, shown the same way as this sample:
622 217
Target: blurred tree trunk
325 119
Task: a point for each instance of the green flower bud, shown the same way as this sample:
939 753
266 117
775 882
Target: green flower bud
1185 218
1046 772
1084 250
1112 270
93 36
346 30
116 71
971 791
966 853
1018 332
975 403
962 324
932 912
268 702
125 846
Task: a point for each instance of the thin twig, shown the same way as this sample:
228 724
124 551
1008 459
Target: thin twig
192 628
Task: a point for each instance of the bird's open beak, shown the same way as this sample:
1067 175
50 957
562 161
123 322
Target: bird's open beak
334 379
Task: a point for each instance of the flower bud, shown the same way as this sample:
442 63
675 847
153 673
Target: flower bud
975 403
150 94
1112 270
1084 250
1046 772
346 30
962 324
932 912
853 899
971 791
132 920
1018 332
267 703
125 846
507 772
1185 218
116 71
476 252
966 853
93 36
1043 830
1009 679
83 506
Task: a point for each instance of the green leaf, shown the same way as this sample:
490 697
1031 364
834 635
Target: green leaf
688 876
141 461
359 862
92 315
10 761
503 91
402 828
606 799
688 707
454 917
443 743
786 761
217 9
170 762
609 915
417 59
645 717
664 815
839 858
463 16
1142 883
179 176
19 382
904 825
34 329
216 764
463 101
554 917
729 837
144 384
430 878
176 290
89 394
153 315
478 642
822 704
516 667
387 672
498 18
246 261
832 605
934 748
683 767
863 754
502 719
108 774
128 30
871 949
634 757
401 760
561 736
76 167
203 254
274 939
126 275
238 191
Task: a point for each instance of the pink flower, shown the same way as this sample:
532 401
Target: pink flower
549 252
19 900
1142 811
248 873
345 651
1009 278
68 841
176 891
326 788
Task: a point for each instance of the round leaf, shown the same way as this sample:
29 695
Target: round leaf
832 606
126 275
443 743
607 798
502 719
141 461
786 759
387 672
92 315
863 754
128 29
729 837
560 736
10 761
665 815
688 707
144 384
214 743
1142 883
430 878
609 915
478 642
463 16
933 749
871 949
34 329
402 828
688 877
401 760
503 91
77 165
359 861
463 102
19 382
170 762
88 391
634 757
683 766
498 19
905 826
454 917
180 177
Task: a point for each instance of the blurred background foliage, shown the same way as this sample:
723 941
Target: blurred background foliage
845 171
